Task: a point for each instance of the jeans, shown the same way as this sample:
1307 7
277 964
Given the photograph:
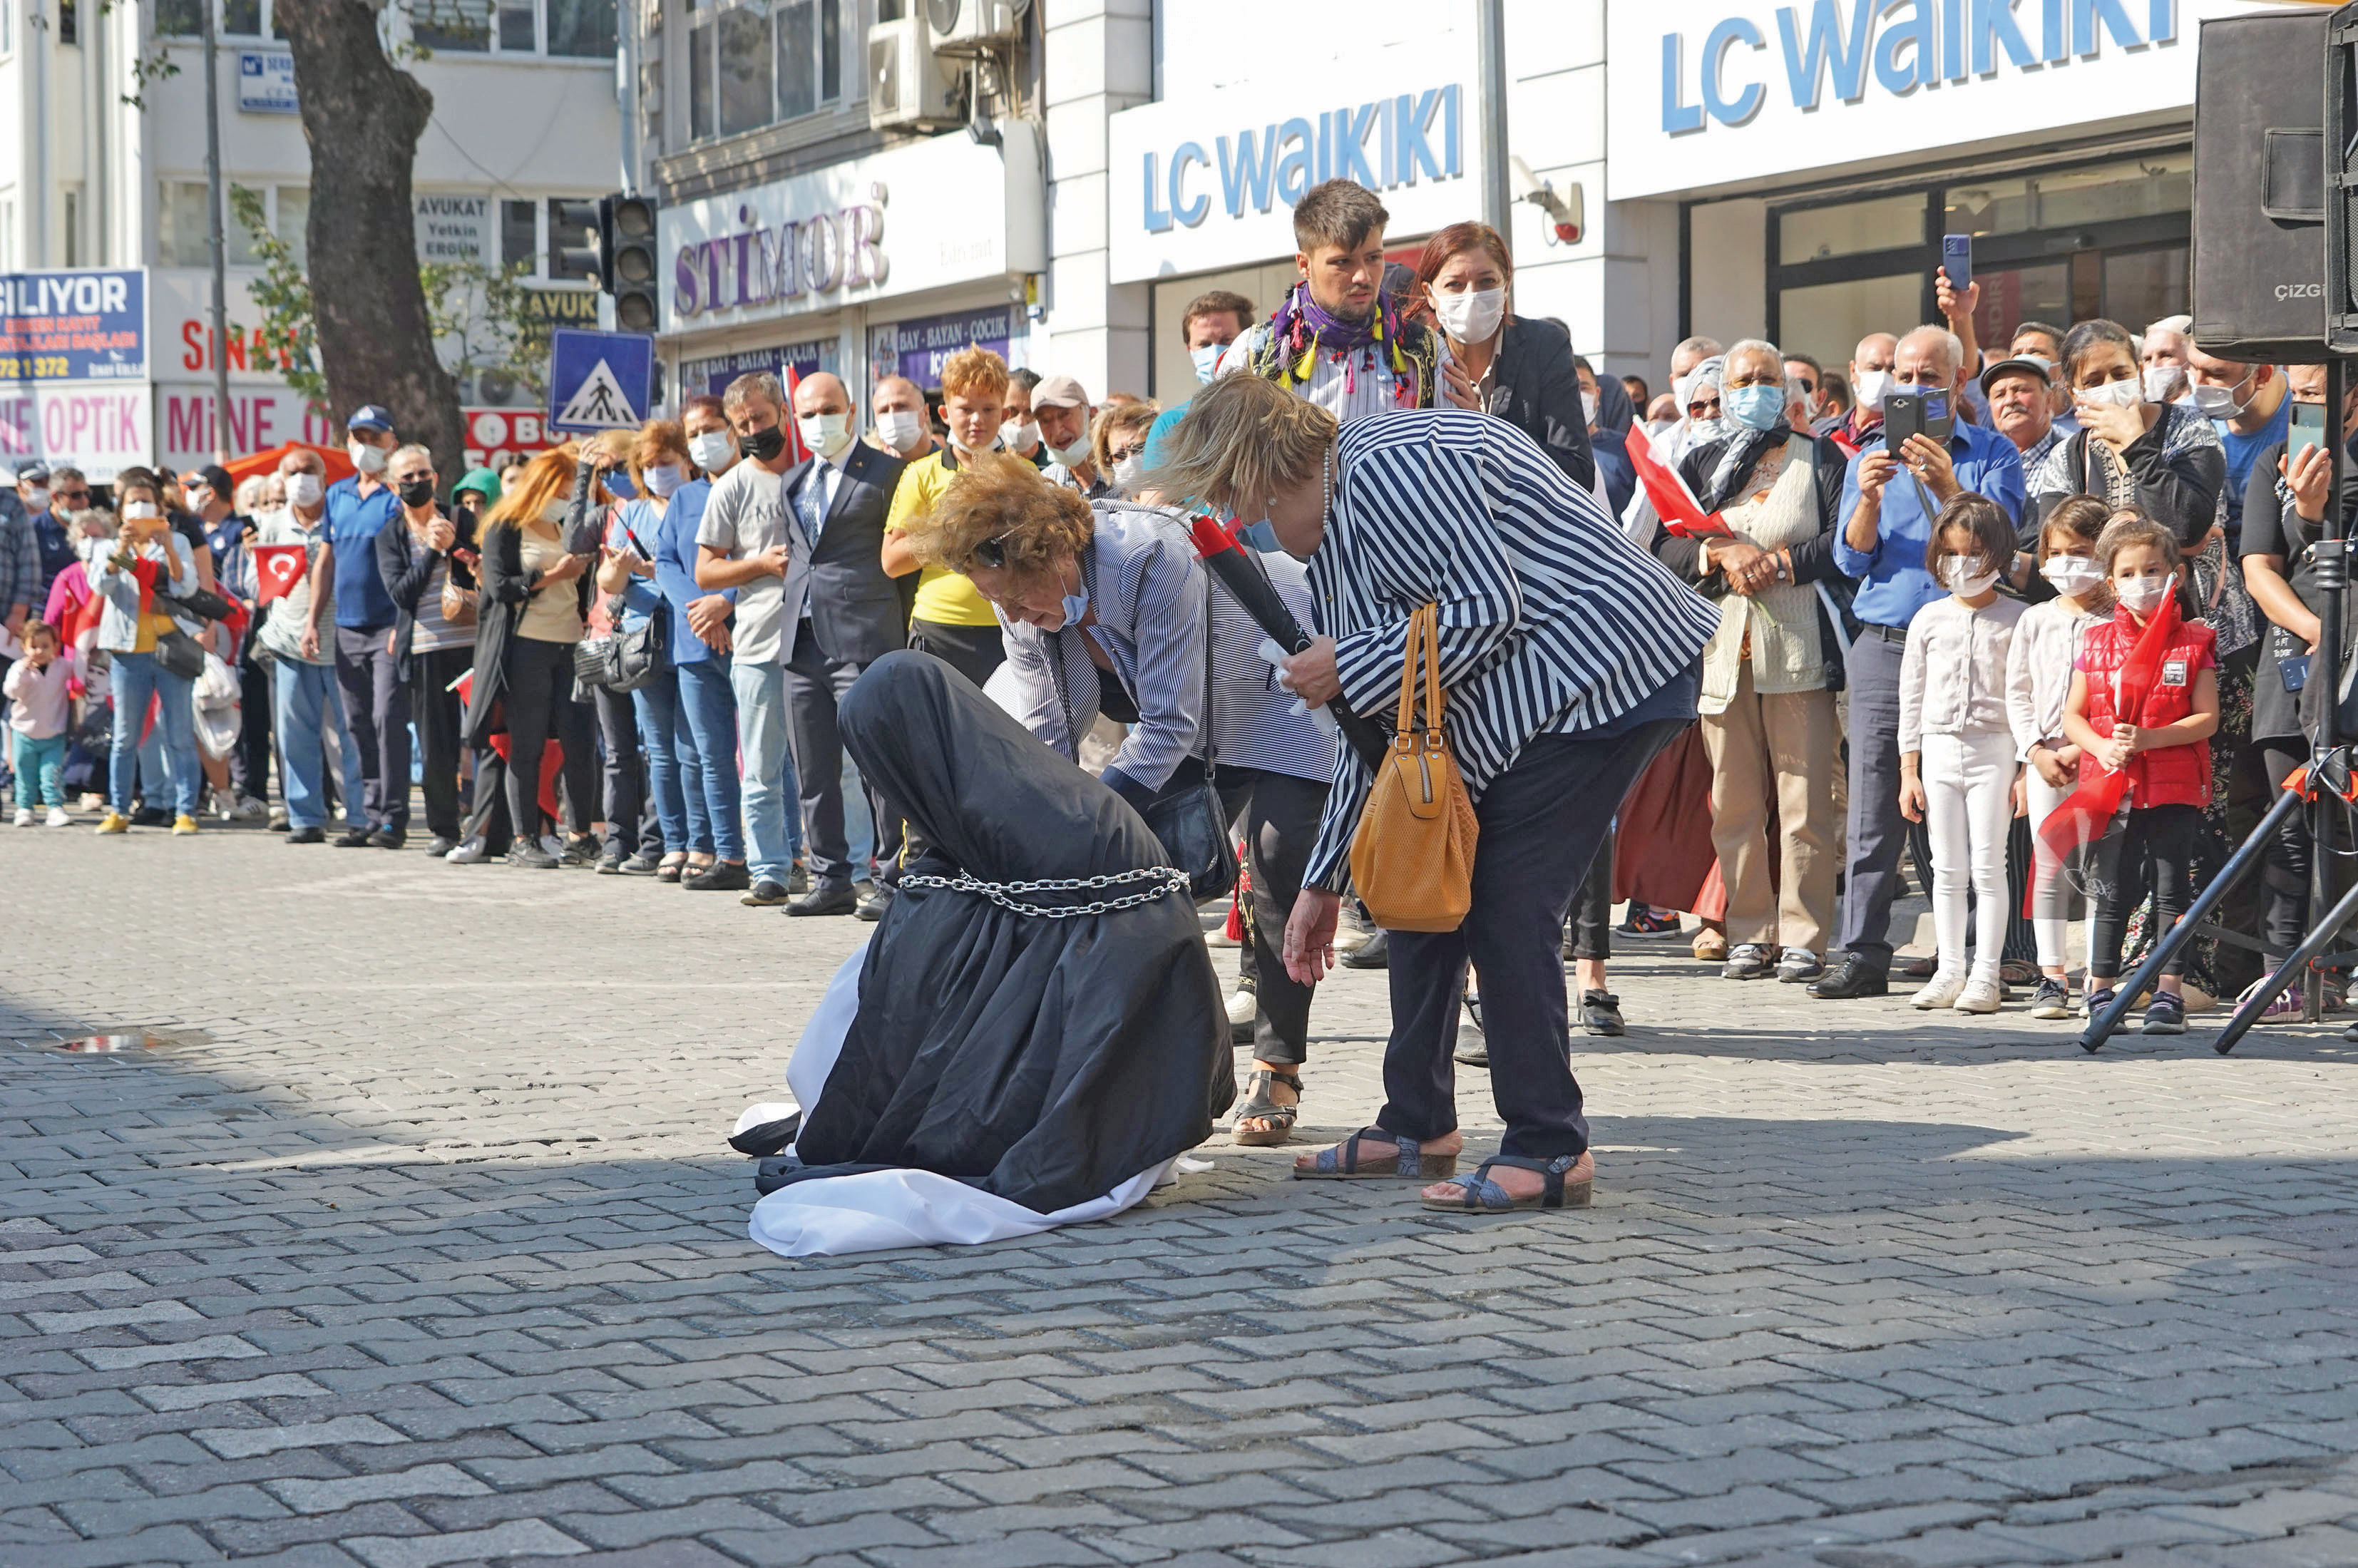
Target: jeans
137 677
1969 815
303 699
1543 822
631 822
40 762
540 705
682 814
773 798
378 706
440 716
707 707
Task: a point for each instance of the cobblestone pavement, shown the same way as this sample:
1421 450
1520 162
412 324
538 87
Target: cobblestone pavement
423 1248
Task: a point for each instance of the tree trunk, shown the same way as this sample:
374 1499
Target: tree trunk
363 117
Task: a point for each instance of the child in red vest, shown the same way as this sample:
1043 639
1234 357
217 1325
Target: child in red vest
2143 699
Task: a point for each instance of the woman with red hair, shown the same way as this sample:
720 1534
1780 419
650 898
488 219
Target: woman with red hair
1521 366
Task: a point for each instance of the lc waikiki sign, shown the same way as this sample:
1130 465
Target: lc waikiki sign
1705 93
1210 180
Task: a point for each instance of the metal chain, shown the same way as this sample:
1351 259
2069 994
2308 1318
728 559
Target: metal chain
1165 880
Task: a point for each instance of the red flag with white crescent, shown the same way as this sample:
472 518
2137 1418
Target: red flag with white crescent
279 569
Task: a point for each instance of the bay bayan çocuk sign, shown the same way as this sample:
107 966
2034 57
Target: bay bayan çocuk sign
1706 94
823 239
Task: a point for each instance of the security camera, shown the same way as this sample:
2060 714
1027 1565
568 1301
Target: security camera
1567 211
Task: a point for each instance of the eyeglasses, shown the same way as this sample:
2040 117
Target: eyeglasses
70 495
1124 454
992 553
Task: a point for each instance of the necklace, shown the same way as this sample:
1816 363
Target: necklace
1326 488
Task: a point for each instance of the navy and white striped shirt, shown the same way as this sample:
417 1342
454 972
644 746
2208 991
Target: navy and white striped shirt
1552 620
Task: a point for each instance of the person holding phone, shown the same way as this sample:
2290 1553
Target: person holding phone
1894 488
130 628
427 561
641 728
2163 458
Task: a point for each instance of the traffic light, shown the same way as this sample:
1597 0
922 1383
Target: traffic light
583 224
628 272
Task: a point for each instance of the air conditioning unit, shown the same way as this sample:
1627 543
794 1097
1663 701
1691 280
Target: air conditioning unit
910 87
972 26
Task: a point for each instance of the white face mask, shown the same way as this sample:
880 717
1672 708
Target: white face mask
139 511
664 478
1207 360
553 510
36 500
1588 407
1704 432
304 489
826 434
2074 575
1870 386
712 449
1074 455
1472 317
1019 435
365 457
901 429
2144 595
2221 402
2164 382
2127 393
1128 473
1959 577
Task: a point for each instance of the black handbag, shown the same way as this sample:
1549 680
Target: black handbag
624 661
178 654
197 604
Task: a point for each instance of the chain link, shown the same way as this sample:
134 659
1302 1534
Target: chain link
1165 880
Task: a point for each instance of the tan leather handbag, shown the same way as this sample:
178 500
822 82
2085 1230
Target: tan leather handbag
1412 859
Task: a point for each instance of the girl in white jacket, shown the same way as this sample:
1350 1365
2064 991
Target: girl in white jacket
1956 752
2038 678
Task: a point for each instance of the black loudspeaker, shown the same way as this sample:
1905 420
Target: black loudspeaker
2340 177
2258 262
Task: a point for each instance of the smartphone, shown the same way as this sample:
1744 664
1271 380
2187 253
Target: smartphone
2294 671
1907 414
1957 260
2307 427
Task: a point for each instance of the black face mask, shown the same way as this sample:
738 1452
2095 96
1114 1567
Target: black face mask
763 445
417 491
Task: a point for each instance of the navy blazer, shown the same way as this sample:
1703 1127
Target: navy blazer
1537 389
855 609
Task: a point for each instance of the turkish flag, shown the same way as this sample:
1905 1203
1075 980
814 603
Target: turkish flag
279 569
1679 512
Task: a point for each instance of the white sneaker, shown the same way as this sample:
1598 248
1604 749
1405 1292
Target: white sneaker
24 817
1941 990
1242 1006
57 818
1980 995
471 853
248 808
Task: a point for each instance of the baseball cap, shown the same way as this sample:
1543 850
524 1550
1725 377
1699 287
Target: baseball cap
213 477
33 473
370 417
1060 391
2031 363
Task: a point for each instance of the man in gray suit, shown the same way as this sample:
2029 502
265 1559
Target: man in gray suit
845 614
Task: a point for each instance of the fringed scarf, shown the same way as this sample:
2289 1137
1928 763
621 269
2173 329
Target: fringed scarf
1299 330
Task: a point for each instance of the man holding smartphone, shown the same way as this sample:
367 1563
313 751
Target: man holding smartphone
1896 487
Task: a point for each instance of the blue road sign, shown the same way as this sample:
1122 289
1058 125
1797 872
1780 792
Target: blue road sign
600 381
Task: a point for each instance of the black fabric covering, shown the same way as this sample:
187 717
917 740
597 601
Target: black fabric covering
1044 1061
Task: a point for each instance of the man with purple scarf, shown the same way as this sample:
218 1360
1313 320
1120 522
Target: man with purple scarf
1338 339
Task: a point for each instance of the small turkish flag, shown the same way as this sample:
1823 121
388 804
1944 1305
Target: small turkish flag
279 569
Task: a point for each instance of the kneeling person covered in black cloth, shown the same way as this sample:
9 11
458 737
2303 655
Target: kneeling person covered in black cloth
1037 1031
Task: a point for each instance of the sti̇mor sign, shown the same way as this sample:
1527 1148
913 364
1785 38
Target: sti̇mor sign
1709 94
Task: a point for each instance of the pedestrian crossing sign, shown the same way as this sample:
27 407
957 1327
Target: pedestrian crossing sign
600 381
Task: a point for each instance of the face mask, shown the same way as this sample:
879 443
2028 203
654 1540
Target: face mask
365 457
763 446
2164 382
662 479
1074 455
1704 432
2218 402
618 484
139 511
1019 435
1076 606
1656 428
304 489
712 449
1870 388
1126 474
1754 407
553 510
900 428
1958 576
826 434
2115 394
1588 407
1472 317
416 491
39 500
1208 360
2071 574
2145 595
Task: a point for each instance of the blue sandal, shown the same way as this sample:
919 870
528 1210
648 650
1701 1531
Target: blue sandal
1479 1195
1342 1162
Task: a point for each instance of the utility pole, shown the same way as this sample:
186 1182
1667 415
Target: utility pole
1490 43
214 198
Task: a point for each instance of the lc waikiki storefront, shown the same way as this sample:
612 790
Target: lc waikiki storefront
1203 183
878 265
1819 150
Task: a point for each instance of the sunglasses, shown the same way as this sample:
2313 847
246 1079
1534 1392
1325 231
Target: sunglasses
1124 454
992 553
71 494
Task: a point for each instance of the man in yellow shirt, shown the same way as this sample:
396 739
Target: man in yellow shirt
951 621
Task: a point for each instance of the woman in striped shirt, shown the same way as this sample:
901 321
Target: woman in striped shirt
1568 656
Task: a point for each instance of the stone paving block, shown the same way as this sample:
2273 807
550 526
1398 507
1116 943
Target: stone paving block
537 1537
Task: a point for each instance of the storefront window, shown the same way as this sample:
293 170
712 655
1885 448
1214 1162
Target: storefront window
754 65
2074 198
1820 233
2015 295
745 95
2145 285
1827 321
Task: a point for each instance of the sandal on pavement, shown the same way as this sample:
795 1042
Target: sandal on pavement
1569 1180
1342 1162
1264 1108
669 868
